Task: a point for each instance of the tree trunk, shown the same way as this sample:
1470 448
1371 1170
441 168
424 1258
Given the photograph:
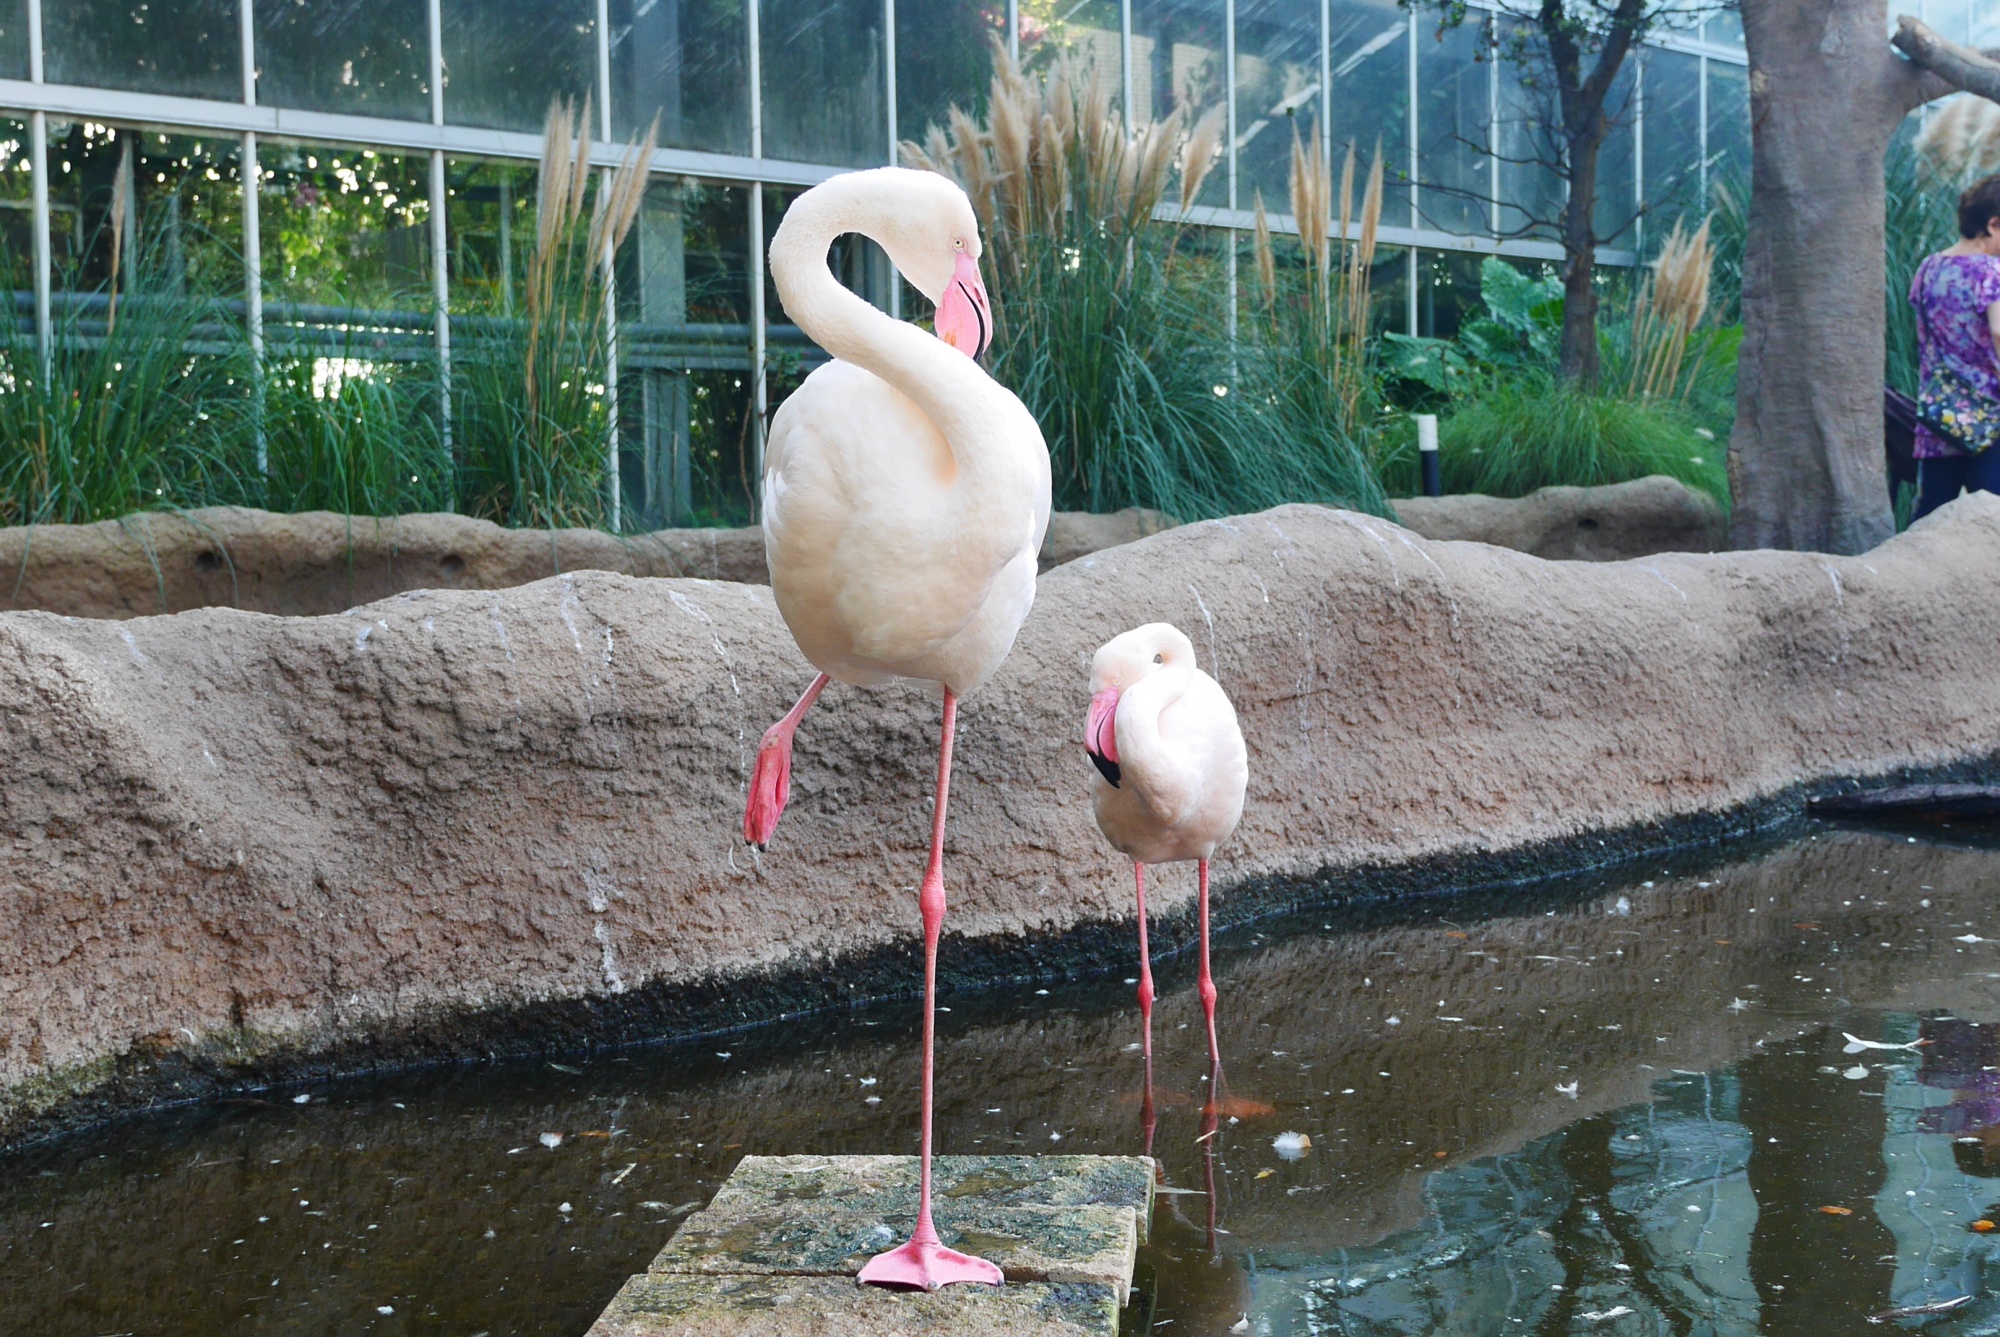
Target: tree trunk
1826 94
1579 271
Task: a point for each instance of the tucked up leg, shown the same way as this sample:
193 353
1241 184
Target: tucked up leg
771 779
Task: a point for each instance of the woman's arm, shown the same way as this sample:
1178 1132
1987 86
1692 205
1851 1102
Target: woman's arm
1993 330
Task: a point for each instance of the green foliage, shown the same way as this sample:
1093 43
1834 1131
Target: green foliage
1508 424
146 410
1922 217
356 437
1535 430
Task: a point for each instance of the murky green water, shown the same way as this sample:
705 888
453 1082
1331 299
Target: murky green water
1623 1107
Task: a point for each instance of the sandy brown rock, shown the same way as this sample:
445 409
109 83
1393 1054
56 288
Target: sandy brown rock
317 562
1590 524
230 834
1074 534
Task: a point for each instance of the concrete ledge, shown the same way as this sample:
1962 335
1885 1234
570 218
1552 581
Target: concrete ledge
658 1305
1588 524
316 563
785 1236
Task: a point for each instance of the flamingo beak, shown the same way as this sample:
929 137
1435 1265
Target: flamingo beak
1100 734
964 316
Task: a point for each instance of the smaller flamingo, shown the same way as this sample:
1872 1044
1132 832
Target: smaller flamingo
1171 774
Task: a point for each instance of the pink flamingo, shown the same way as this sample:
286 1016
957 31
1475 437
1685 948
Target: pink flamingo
905 498
1171 774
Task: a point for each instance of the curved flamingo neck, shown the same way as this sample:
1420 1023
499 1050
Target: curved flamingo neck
950 387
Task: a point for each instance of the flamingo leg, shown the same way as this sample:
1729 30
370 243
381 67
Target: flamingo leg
1145 970
1207 986
1148 1119
771 779
924 1261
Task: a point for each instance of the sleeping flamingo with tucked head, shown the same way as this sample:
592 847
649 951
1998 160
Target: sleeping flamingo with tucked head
1171 774
905 497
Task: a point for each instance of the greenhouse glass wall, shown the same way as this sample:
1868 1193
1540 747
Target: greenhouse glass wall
393 147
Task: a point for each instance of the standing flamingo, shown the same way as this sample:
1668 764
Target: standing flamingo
905 497
1171 775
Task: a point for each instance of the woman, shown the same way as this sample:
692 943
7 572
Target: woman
1957 296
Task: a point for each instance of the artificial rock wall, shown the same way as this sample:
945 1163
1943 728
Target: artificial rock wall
236 842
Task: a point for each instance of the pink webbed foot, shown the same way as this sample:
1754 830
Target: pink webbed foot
770 785
927 1265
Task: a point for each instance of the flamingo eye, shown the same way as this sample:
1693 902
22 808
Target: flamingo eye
958 243
1159 659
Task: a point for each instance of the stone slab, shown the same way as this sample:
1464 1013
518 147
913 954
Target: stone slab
1080 1243
887 1185
660 1304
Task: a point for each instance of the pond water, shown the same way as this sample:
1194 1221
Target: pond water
1617 1105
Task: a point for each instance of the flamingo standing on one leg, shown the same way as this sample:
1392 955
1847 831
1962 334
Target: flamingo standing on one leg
905 497
1171 774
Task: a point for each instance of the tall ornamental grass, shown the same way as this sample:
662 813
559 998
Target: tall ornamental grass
533 400
1107 322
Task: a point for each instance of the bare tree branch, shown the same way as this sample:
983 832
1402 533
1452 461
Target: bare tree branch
1950 67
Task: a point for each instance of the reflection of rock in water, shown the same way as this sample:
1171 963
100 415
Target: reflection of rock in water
1647 1212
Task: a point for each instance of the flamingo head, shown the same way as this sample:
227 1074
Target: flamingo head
932 235
1120 663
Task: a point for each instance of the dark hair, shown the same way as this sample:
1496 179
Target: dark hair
1978 206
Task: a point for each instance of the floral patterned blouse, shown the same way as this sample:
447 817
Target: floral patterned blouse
1951 294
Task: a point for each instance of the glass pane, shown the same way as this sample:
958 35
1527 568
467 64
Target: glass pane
1277 92
825 92
370 57
192 48
944 58
1526 138
1087 31
181 228
1985 26
687 62
1177 48
1616 205
1951 18
17 231
1389 291
1728 130
1672 131
490 223
345 227
1370 45
13 39
1447 292
505 61
1452 115
1725 27
685 284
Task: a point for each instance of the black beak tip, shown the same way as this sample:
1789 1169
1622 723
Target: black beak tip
1105 767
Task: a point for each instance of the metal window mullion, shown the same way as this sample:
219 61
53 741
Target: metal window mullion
1326 80
1493 145
38 187
249 181
1702 176
1124 61
1413 127
889 64
439 236
613 483
759 335
1229 118
1639 154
